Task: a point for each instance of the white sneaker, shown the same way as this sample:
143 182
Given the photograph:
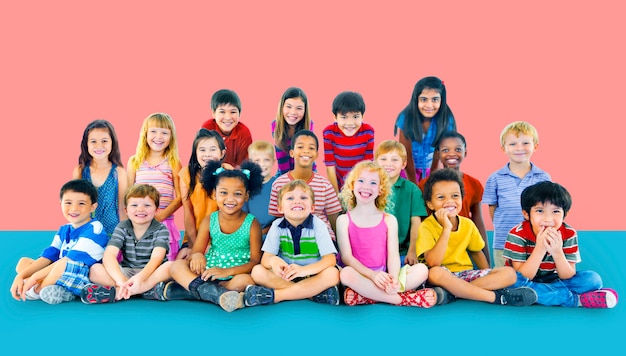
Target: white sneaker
55 294
31 294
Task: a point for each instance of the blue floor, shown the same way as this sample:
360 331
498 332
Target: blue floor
304 327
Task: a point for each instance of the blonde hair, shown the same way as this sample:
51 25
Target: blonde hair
262 146
390 146
291 186
517 128
160 120
348 200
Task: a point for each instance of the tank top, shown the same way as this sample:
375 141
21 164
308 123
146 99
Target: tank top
369 244
228 250
107 211
159 176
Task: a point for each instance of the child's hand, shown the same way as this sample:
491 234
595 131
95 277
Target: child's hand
17 288
28 284
382 280
553 241
214 273
292 271
183 253
443 218
197 263
410 258
393 287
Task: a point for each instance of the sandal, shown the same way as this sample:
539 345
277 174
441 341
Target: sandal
417 298
351 297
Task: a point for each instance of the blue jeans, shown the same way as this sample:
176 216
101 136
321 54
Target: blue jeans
563 292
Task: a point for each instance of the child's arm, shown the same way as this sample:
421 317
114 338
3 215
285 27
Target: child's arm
77 173
17 288
177 202
479 258
197 258
410 164
135 283
411 256
293 271
130 171
434 256
189 218
122 185
331 174
112 266
477 218
393 253
492 210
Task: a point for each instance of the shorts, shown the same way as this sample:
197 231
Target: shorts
75 277
471 274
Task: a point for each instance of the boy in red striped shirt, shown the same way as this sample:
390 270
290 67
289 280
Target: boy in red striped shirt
348 140
544 251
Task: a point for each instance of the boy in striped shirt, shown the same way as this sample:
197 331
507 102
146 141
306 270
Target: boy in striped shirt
348 140
299 257
143 243
544 251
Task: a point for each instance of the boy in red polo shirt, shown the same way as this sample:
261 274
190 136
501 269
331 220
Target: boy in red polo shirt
226 108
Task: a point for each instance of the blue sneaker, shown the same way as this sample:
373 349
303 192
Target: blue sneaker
258 295
329 296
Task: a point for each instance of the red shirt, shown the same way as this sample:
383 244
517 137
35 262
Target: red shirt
237 141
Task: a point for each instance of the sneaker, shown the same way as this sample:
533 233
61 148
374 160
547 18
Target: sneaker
329 296
443 296
351 297
517 297
31 294
96 294
156 292
231 300
55 294
256 295
601 298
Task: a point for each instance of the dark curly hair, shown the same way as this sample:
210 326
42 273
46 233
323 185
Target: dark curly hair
213 172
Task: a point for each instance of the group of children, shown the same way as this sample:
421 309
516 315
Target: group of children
399 223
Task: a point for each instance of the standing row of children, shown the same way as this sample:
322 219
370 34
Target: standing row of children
233 258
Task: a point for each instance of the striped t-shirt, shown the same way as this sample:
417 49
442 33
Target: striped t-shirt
326 200
344 152
521 243
137 250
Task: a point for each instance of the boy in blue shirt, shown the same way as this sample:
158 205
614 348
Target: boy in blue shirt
262 153
61 271
503 188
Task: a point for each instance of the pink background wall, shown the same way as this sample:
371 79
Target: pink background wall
559 65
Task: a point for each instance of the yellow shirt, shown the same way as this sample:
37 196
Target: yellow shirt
465 238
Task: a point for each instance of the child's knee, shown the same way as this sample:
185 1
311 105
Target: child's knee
437 274
348 275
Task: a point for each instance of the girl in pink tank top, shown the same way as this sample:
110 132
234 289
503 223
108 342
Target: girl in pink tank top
368 244
156 162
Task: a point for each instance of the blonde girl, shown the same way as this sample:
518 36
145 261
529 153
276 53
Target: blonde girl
368 243
156 162
100 163
292 116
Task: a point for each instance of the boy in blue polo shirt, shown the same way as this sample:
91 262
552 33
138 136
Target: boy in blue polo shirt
503 188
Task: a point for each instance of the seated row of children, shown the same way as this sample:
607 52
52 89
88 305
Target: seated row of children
230 263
